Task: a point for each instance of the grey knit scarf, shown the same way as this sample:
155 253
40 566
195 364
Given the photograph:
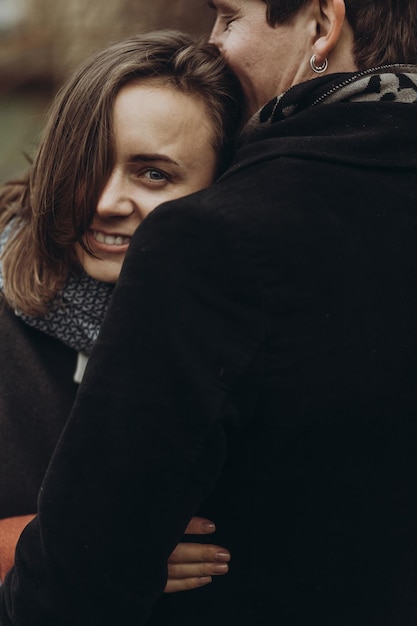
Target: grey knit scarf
77 311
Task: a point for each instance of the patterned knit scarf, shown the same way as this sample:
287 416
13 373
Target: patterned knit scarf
386 83
77 311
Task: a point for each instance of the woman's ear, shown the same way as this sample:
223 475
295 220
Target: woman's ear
329 27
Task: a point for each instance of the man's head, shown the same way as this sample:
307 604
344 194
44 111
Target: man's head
269 43
269 46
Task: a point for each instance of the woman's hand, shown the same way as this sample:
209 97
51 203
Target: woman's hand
10 530
192 565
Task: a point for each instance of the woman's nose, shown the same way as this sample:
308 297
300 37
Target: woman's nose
114 200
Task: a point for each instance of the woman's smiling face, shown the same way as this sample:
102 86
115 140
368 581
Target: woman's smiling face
164 149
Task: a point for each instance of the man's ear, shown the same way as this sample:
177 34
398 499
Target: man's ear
330 20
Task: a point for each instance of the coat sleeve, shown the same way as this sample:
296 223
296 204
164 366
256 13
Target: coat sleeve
149 432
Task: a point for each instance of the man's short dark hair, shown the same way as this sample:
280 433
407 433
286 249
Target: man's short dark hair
385 31
281 11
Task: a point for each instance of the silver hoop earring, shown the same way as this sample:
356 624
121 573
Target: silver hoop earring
319 69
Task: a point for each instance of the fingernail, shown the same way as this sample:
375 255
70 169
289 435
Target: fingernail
222 556
208 527
204 580
220 568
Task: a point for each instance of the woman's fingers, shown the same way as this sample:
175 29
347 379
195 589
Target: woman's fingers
192 565
189 553
200 526
185 584
191 570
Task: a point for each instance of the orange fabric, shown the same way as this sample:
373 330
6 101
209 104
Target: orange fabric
10 530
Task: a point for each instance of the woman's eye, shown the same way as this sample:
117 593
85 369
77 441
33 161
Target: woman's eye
155 175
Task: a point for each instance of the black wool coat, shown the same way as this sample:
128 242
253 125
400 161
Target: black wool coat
36 396
258 365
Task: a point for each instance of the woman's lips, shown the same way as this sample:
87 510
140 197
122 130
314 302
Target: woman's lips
110 240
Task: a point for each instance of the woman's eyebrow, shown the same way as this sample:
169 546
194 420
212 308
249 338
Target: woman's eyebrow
150 158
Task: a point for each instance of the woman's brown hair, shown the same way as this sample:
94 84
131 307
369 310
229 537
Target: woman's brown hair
55 203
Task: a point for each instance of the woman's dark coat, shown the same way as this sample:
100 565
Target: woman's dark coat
36 396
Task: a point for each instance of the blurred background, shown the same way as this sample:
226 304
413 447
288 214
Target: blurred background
41 41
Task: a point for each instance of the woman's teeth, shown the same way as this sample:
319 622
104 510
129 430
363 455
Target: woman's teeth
111 240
